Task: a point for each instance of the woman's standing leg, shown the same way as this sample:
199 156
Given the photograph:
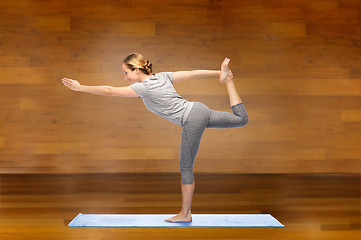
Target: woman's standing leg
192 133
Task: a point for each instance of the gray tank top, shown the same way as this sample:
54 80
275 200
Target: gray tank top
160 97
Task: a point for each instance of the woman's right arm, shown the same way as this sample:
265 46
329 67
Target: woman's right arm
99 90
184 75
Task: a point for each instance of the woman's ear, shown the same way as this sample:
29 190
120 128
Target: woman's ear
137 70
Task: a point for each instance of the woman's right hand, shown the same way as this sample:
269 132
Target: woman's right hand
72 84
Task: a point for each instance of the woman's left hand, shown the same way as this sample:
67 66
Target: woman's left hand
72 84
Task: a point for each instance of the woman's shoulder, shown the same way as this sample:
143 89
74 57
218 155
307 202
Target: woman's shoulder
165 76
166 73
162 74
158 80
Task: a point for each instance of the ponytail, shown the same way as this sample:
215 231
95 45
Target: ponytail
136 60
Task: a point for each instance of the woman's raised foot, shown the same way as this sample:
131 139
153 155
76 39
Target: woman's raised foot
226 73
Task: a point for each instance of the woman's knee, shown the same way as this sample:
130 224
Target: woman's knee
240 111
243 120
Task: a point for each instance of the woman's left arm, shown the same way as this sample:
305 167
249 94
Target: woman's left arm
99 90
184 75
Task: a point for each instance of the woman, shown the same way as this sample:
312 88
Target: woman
160 97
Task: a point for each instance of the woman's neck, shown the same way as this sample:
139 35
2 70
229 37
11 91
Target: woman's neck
143 77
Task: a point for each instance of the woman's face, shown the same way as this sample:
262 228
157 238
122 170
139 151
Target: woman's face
131 76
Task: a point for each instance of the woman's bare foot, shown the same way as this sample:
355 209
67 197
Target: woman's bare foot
226 73
181 217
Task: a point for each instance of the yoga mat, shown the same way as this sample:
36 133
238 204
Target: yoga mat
157 220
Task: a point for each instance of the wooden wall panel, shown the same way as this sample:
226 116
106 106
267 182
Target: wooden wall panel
296 65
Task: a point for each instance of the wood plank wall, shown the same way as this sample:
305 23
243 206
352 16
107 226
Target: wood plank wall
297 66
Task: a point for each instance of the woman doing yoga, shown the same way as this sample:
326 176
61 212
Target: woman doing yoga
160 97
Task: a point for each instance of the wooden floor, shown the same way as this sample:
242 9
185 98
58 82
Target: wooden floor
310 206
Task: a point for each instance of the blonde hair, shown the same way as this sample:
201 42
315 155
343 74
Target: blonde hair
136 60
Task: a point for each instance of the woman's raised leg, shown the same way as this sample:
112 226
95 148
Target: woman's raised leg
239 118
226 77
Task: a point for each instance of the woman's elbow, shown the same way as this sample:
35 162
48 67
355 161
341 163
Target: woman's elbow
109 91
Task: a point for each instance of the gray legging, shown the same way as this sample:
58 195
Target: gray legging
200 118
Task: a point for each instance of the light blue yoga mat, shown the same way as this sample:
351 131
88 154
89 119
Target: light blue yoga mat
157 220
